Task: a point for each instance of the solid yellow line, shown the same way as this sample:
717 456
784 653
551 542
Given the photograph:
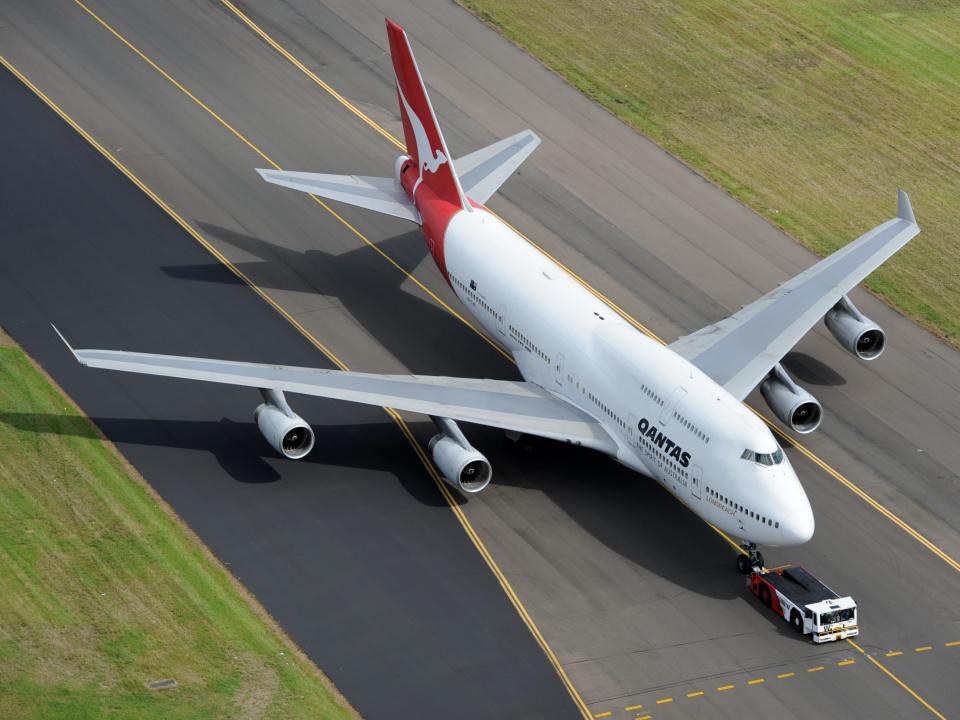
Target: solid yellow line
404 428
818 668
923 649
755 682
698 693
846 662
240 136
620 311
896 680
724 688
633 707
786 675
310 74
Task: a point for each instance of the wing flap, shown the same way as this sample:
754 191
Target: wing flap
383 195
518 406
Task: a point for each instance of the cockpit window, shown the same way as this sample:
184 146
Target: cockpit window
774 458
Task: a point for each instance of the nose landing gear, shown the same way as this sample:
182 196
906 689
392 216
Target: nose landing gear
752 559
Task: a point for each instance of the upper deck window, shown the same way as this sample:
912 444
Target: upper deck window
774 458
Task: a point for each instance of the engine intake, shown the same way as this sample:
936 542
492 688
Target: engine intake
855 332
283 429
462 465
795 407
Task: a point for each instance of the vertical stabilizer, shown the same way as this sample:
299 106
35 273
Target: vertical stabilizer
425 144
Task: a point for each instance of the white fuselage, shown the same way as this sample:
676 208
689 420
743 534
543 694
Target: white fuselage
666 418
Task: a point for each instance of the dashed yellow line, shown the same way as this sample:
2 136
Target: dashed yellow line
897 680
645 717
404 428
755 682
844 663
818 668
894 653
603 715
952 644
633 707
724 688
781 676
697 693
664 701
925 648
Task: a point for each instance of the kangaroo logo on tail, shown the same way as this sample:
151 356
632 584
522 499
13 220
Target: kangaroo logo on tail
428 161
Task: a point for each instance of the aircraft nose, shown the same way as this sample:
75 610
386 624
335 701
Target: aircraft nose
798 527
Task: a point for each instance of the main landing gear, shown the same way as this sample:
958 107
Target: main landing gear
752 559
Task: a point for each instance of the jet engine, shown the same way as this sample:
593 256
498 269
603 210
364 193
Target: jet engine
791 403
855 332
461 464
281 427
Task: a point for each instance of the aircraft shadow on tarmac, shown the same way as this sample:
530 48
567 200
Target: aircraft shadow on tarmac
811 371
627 512
240 450
424 337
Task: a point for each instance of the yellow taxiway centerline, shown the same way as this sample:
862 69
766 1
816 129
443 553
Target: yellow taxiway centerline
897 680
404 428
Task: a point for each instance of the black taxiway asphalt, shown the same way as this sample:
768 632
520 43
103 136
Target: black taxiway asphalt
354 551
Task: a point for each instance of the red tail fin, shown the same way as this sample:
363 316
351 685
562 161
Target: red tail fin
425 143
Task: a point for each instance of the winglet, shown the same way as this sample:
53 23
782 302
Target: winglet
904 209
69 347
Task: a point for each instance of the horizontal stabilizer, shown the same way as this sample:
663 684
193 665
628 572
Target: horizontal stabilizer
384 195
483 171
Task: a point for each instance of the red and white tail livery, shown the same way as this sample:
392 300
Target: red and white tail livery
673 413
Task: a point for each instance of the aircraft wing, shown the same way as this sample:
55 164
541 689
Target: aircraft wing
518 406
483 171
739 351
384 195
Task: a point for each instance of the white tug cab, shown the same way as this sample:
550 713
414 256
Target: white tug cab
806 603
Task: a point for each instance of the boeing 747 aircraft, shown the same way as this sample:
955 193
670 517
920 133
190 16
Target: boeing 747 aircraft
673 413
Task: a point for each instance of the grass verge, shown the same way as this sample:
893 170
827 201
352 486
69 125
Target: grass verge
103 590
811 113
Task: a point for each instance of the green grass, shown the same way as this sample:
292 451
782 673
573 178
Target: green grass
102 590
812 113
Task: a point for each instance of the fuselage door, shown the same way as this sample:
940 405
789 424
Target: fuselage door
675 397
696 480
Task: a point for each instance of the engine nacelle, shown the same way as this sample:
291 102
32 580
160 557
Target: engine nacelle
464 468
283 429
795 407
855 332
